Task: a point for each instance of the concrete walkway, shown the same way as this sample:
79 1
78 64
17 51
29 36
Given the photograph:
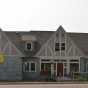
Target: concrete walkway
46 86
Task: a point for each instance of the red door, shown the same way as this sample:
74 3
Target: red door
60 69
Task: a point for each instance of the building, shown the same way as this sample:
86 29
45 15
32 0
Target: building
36 55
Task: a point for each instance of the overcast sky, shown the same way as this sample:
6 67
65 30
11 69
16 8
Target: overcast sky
26 15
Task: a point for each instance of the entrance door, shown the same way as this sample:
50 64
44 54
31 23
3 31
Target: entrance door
60 69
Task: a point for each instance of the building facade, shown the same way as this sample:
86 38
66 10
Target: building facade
36 55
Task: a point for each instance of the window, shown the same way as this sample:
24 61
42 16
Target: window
32 67
57 46
28 46
62 46
29 67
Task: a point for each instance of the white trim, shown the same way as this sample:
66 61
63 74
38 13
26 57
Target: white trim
60 42
86 67
79 64
65 43
56 68
65 67
24 70
63 70
58 57
52 69
40 64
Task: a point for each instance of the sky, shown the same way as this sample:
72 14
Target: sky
48 15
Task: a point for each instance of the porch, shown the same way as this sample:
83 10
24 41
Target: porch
60 69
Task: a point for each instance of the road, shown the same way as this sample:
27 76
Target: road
46 86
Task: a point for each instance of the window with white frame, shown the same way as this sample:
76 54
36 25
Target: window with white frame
59 46
29 67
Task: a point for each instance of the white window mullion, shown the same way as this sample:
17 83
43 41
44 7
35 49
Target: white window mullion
24 67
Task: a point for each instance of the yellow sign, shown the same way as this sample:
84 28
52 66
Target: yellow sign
2 58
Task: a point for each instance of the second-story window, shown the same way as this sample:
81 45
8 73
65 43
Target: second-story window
62 46
57 46
28 46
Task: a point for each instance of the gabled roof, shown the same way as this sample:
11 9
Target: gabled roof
81 40
42 37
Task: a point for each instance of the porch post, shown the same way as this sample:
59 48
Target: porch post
40 65
79 65
68 67
56 68
52 70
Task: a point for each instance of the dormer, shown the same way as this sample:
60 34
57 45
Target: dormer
29 42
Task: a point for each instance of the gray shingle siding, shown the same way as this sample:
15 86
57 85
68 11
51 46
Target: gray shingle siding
81 40
11 69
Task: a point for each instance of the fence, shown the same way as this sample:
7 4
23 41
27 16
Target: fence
80 76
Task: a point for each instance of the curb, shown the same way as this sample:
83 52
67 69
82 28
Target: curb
25 83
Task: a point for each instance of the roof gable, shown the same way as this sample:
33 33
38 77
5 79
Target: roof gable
48 48
60 29
81 40
41 38
8 46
